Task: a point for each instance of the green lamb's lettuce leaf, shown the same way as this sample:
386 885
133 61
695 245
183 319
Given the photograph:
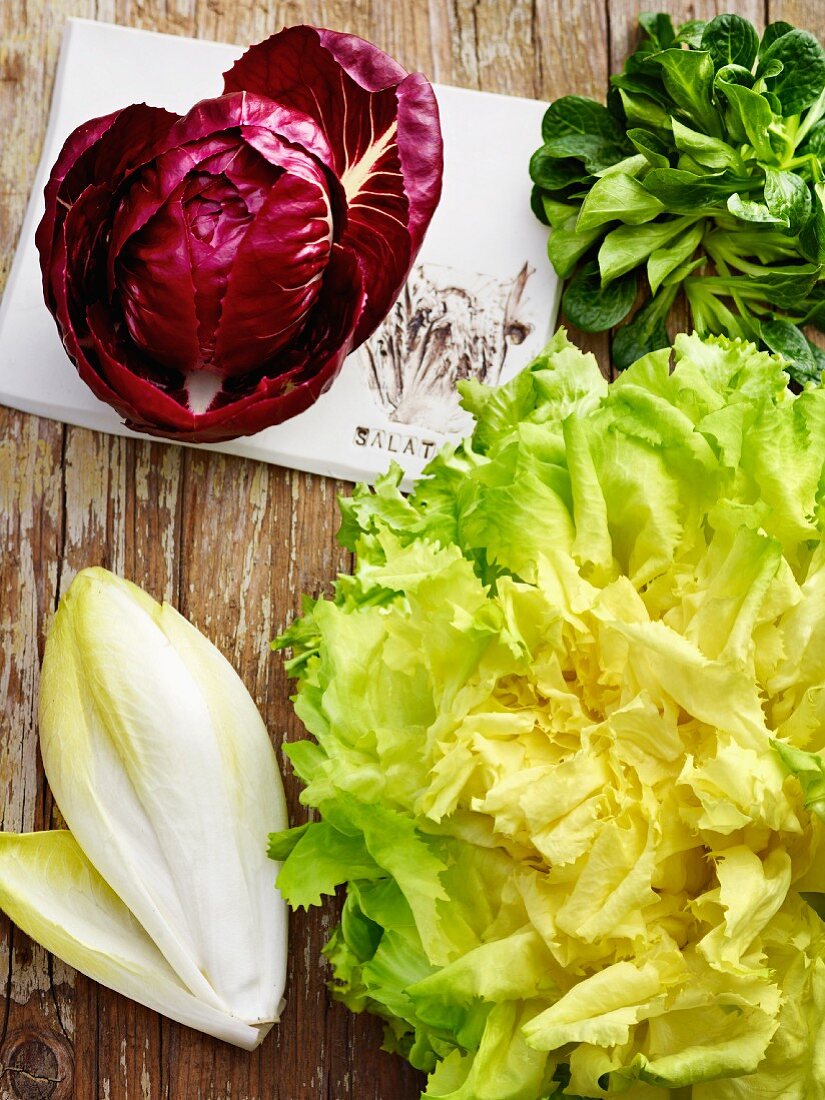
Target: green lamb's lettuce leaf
648 329
627 246
688 77
617 197
788 198
801 78
582 128
557 711
567 244
708 151
594 308
729 131
730 40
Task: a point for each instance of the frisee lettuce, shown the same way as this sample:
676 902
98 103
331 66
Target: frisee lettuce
568 732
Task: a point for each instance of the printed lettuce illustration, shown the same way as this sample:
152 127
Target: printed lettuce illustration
558 714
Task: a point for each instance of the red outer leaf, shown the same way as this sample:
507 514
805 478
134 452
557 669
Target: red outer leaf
289 386
276 274
214 116
102 150
382 127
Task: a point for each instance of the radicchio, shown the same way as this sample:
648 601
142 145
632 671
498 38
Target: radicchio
210 273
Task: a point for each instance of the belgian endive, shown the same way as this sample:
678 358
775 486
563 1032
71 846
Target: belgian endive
163 770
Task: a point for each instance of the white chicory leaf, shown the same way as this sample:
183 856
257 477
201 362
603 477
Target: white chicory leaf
50 889
163 770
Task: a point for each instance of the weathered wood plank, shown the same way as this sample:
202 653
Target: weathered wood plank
38 1025
232 543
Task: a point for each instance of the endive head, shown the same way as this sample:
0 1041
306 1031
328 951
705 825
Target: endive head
163 770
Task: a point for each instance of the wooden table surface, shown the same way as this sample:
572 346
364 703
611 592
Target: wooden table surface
230 542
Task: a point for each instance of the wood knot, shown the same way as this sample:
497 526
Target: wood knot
12 65
37 1065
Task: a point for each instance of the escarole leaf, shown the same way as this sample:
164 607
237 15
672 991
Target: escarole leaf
50 889
809 769
552 715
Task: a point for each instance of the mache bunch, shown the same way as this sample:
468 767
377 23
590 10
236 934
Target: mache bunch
705 172
568 725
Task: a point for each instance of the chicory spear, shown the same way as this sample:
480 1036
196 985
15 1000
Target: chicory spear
210 273
163 770
705 171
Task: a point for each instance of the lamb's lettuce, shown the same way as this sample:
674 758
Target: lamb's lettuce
556 711
707 166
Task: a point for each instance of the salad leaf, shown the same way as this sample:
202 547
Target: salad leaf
729 132
50 889
593 308
567 720
730 40
801 78
163 770
646 332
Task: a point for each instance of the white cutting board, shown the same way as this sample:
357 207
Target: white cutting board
482 238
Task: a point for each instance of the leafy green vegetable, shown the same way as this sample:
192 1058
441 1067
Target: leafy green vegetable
569 733
646 332
162 768
592 308
731 40
726 192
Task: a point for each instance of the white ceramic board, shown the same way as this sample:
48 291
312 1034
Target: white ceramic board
482 285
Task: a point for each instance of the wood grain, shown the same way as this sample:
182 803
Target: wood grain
232 543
